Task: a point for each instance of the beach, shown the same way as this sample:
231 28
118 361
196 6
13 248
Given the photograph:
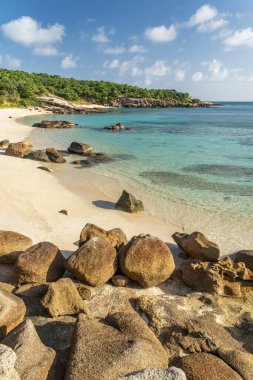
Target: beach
31 199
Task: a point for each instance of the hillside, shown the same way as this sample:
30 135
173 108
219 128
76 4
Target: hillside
21 88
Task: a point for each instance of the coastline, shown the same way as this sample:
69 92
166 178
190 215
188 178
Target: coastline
31 198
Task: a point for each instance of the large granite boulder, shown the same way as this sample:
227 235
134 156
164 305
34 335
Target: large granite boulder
204 366
115 237
197 246
241 362
147 260
55 156
19 149
62 298
41 263
12 312
95 262
11 245
246 257
128 203
34 359
80 148
7 363
121 344
171 373
54 124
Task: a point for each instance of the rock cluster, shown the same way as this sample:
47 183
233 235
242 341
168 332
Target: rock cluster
19 149
115 128
54 124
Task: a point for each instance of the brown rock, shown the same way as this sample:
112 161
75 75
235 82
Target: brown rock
197 246
86 292
11 245
79 148
95 262
12 312
147 260
38 155
246 257
19 149
31 294
4 144
65 212
62 298
128 203
120 344
204 366
241 362
6 272
115 237
120 281
54 124
41 263
55 156
34 360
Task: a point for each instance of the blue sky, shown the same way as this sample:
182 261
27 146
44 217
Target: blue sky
204 48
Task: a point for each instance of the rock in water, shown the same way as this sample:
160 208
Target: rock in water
34 359
115 237
41 263
121 344
7 363
55 156
147 260
204 366
11 245
19 149
246 257
95 262
80 148
197 246
12 312
241 362
172 373
62 298
128 203
54 124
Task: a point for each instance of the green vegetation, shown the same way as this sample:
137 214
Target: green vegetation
21 88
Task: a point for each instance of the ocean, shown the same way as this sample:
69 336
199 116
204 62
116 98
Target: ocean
195 166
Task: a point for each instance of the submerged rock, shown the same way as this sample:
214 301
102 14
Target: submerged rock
19 149
127 202
54 124
11 245
147 260
80 148
115 128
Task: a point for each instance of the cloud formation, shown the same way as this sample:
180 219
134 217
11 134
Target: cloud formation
69 62
161 34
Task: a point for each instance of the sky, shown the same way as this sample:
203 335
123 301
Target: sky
204 48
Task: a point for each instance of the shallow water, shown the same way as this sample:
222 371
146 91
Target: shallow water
186 161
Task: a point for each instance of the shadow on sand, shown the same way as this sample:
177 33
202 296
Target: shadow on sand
104 204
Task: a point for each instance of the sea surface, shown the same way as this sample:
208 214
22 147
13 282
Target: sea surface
195 166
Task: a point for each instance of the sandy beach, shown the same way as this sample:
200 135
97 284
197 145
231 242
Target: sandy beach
31 199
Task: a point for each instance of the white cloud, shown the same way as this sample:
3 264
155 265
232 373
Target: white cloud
212 25
161 34
69 62
243 37
198 76
180 74
203 15
137 49
114 64
115 50
10 62
217 70
158 69
28 32
102 36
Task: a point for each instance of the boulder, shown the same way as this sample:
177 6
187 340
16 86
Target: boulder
12 312
6 272
34 359
246 257
197 246
115 237
62 298
41 263
55 156
31 294
54 124
19 149
107 349
115 128
241 362
147 260
202 366
38 155
221 277
11 245
120 281
80 148
7 363
128 203
171 373
4 144
95 262
8 287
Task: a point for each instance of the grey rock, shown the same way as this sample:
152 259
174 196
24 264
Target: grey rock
128 203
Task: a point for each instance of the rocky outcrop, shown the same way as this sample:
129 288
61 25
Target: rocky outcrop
46 155
11 245
246 257
128 203
120 344
80 148
142 250
202 366
12 312
171 373
115 237
54 124
126 102
62 298
19 149
34 359
197 246
95 262
115 128
41 263
7 363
